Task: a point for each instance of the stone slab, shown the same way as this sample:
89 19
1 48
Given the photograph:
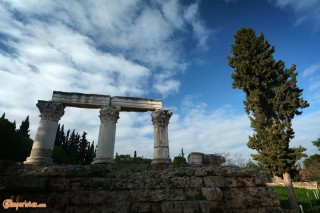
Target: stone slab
128 104
136 104
81 100
205 159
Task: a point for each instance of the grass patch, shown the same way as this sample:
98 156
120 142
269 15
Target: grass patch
305 197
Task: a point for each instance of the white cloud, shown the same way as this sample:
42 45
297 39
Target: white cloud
312 75
126 48
307 129
201 33
311 70
305 10
216 131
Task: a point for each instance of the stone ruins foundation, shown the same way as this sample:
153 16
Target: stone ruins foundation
137 188
203 185
110 108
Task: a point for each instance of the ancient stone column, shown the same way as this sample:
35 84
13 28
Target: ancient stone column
160 120
107 133
46 133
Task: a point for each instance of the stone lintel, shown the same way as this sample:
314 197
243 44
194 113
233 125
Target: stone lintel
128 104
80 100
131 104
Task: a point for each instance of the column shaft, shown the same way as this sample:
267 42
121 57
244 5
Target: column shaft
160 120
45 136
107 133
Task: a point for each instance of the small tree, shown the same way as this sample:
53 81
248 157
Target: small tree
317 143
312 165
180 159
272 101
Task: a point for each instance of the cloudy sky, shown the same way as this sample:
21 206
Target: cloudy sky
172 50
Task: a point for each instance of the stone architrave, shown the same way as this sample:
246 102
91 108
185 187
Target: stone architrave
109 116
160 120
42 147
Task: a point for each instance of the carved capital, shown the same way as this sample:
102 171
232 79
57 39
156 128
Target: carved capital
161 117
109 113
50 110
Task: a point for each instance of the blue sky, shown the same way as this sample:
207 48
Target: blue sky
173 50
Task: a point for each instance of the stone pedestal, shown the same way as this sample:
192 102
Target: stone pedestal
160 120
107 133
45 136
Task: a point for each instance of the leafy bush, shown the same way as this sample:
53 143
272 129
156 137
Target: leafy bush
179 160
127 159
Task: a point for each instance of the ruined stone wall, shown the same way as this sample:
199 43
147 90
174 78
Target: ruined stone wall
138 188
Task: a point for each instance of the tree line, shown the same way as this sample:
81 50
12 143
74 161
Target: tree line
69 148
15 143
72 148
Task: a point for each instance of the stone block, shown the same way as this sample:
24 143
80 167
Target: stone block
195 181
212 194
145 207
214 181
205 159
80 100
195 158
185 206
29 183
213 159
136 104
239 181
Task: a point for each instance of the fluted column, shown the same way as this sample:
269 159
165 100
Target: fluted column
107 133
46 133
160 120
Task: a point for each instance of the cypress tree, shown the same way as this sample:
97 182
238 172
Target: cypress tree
24 128
57 142
272 101
13 145
83 148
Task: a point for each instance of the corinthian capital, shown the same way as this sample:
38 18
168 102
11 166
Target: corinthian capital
161 117
50 110
109 113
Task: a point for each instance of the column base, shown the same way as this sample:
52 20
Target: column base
38 161
161 161
103 161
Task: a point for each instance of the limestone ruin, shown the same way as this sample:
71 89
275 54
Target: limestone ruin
203 185
110 108
159 188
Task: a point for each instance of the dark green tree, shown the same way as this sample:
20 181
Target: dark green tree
272 101
313 161
127 159
83 148
13 145
60 136
317 143
91 153
24 128
71 148
180 159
